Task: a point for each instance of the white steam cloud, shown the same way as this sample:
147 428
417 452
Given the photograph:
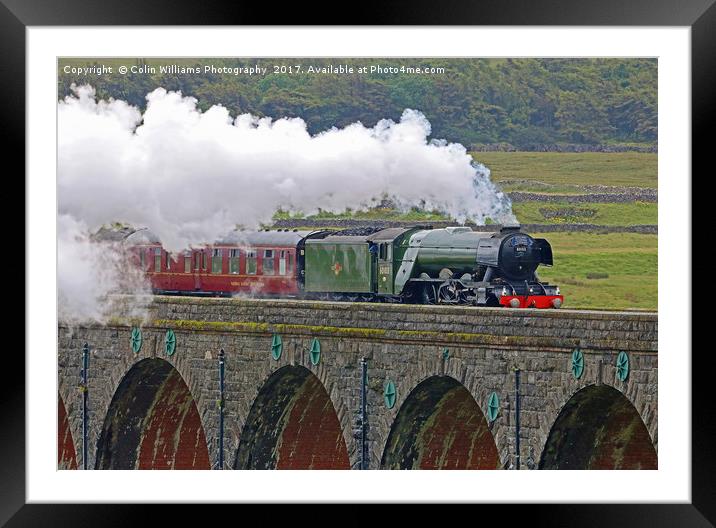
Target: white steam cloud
88 271
191 176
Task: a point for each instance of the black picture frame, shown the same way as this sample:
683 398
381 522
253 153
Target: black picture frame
700 15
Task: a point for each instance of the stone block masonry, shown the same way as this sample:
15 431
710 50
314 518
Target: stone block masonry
285 409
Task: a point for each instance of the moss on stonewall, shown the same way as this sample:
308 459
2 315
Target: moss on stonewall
596 341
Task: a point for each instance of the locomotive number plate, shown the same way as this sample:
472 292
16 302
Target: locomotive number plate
521 248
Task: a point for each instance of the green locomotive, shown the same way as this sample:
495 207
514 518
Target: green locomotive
454 265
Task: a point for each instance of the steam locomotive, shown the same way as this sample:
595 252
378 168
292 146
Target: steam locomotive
454 265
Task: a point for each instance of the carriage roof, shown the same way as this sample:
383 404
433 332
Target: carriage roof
263 238
278 238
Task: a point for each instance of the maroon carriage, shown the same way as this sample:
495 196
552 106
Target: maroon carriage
265 263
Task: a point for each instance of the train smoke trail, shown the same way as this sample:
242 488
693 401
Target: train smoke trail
192 176
89 270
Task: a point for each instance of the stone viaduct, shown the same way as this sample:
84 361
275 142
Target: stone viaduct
363 386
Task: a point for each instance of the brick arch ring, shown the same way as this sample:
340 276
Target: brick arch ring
175 381
450 431
596 426
286 393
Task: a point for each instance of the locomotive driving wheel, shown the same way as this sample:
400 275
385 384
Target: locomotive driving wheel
429 294
448 293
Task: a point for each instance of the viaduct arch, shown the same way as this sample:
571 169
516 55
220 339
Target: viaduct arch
152 422
440 426
598 428
292 424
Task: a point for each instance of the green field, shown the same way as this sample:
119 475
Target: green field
635 213
624 169
615 270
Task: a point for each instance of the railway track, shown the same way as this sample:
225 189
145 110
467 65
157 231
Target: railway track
373 304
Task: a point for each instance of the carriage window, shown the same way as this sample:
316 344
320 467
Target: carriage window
251 262
157 259
216 261
383 255
203 260
187 262
233 261
169 260
197 259
268 268
282 262
142 259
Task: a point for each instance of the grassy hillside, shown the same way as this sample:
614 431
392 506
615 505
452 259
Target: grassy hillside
615 270
563 170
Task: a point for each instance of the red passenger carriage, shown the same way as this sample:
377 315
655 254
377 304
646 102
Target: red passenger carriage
264 262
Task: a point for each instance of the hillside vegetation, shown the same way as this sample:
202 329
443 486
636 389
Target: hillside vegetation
523 102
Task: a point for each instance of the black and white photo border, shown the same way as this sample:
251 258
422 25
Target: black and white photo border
676 454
